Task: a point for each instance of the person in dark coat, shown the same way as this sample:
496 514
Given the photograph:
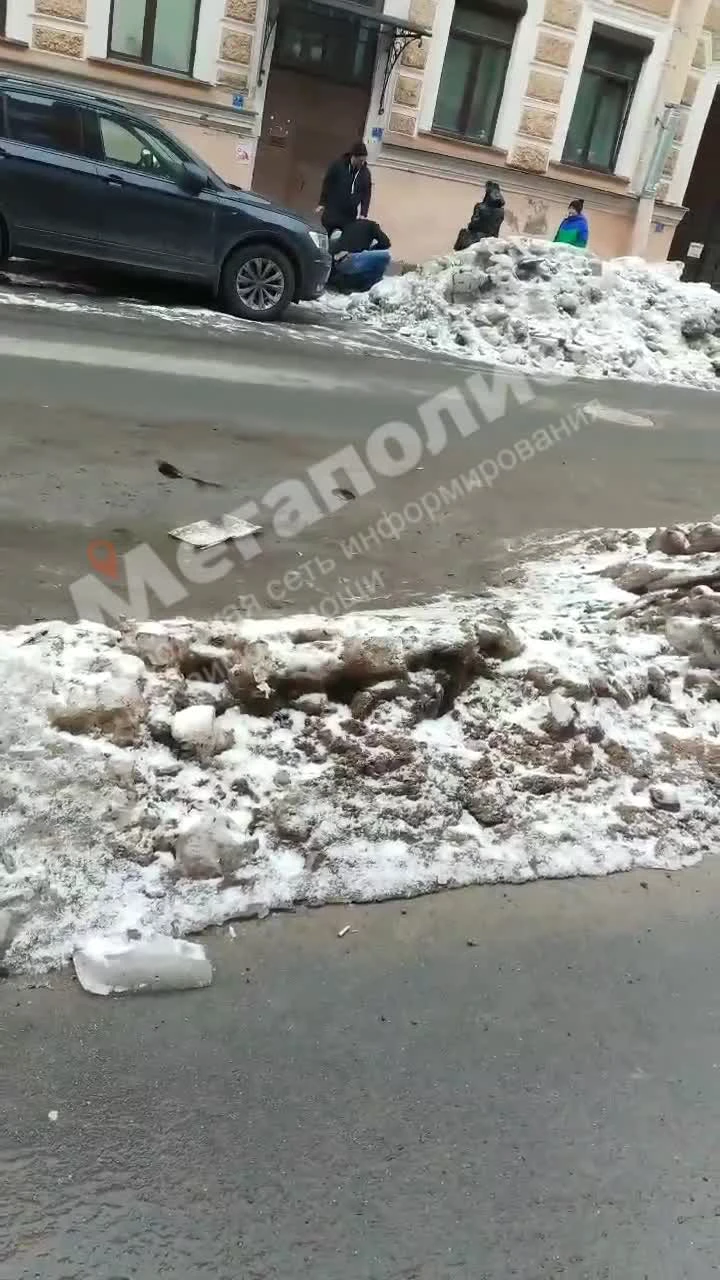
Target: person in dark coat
361 256
346 190
487 217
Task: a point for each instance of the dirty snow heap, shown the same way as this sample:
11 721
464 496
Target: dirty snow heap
179 774
539 306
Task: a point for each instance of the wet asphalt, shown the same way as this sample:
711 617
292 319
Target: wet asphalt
91 401
485 1084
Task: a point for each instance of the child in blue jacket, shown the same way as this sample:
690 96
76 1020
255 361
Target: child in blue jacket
574 228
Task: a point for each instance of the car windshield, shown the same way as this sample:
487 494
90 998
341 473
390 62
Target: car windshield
191 157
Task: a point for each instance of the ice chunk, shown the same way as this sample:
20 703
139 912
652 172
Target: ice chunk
116 965
9 925
562 712
209 845
194 726
665 797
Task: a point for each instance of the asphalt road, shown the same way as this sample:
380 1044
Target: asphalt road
393 1105
91 401
398 1104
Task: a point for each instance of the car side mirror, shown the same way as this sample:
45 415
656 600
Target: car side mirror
193 179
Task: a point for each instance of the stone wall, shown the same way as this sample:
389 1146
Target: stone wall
544 85
237 35
408 80
59 27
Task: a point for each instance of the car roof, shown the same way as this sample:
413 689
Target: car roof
85 96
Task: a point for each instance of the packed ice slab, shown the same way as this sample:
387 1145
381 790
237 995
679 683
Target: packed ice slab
542 307
114 965
173 775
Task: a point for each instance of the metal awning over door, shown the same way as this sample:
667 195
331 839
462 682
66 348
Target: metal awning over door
402 32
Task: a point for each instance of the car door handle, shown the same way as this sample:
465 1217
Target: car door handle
113 180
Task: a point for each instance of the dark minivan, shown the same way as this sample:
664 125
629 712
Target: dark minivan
84 179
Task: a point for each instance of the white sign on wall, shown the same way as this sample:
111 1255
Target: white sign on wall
244 152
695 250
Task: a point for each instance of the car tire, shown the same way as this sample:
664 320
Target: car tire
258 282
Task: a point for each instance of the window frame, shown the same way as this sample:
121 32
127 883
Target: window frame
477 43
148 36
630 84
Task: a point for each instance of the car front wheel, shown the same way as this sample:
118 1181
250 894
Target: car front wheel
258 283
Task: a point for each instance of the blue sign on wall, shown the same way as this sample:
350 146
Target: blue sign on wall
238 101
377 134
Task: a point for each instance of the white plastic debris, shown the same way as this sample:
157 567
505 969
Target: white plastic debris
343 931
115 965
205 533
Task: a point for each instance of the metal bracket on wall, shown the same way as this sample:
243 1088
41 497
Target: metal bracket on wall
400 42
270 24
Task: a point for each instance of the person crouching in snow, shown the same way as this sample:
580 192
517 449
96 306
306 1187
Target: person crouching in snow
361 256
574 228
487 217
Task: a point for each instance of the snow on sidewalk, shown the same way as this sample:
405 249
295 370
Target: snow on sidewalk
184 773
541 307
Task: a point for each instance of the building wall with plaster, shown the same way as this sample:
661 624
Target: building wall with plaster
525 155
425 184
67 40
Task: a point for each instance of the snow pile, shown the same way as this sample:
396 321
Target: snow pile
184 773
544 307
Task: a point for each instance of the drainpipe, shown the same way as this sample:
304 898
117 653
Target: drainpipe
688 29
689 24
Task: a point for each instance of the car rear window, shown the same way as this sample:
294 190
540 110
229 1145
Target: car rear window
42 121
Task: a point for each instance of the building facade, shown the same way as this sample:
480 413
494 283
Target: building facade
607 99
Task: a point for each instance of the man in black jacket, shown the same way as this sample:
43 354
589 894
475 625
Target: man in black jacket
346 190
361 256
359 236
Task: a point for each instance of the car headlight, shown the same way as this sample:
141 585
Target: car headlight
320 239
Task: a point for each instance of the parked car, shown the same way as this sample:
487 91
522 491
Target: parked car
85 179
